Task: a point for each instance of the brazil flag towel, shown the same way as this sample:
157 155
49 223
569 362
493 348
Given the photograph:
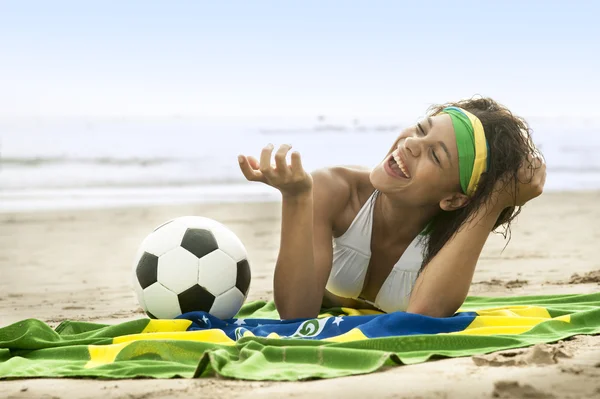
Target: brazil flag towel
258 346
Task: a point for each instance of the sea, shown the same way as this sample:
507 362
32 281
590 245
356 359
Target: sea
90 162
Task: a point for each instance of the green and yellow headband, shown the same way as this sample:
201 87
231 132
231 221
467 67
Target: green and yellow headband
472 147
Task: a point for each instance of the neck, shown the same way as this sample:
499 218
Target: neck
402 221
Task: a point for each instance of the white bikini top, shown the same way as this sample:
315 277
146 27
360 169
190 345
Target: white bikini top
351 255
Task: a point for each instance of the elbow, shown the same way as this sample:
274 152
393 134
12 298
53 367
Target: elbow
432 309
288 311
289 314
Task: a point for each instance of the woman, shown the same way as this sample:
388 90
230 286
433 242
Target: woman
406 234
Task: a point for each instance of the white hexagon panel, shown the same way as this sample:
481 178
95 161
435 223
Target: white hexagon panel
227 304
161 303
217 272
178 270
164 238
229 243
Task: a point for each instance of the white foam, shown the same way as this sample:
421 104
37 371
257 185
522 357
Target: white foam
50 199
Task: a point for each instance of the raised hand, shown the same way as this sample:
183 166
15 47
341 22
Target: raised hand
531 179
291 180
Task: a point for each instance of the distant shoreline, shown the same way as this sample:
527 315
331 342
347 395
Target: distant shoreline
117 197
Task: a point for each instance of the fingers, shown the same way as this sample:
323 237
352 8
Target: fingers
536 174
280 162
265 161
531 168
265 157
296 163
539 169
535 161
541 176
250 171
254 164
263 170
543 179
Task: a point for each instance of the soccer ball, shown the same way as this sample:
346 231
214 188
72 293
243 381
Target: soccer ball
188 264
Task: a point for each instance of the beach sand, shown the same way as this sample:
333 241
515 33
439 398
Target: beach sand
77 264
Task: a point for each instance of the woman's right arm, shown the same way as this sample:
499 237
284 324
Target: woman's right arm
310 203
305 252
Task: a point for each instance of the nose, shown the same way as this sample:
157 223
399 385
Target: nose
412 145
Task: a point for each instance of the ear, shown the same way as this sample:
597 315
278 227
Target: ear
454 201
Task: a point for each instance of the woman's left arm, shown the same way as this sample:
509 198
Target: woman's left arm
444 283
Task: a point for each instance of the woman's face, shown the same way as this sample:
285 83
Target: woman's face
423 166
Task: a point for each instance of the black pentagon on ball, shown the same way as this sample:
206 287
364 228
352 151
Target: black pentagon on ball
195 298
242 282
200 242
147 269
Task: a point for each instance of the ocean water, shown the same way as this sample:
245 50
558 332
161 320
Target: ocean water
85 162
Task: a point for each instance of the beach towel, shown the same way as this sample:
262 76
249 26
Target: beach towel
256 345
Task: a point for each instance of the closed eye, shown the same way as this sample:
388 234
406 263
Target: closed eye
437 160
422 131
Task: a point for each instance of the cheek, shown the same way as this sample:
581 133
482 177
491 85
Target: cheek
428 173
435 179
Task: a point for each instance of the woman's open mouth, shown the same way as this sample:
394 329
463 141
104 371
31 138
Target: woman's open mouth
395 167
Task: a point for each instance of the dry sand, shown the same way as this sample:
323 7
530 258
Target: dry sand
76 265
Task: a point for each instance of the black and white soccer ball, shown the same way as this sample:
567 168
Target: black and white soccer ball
188 264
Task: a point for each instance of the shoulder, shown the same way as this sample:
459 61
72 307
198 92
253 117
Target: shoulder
338 188
341 181
344 175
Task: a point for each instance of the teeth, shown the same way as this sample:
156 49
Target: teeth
398 160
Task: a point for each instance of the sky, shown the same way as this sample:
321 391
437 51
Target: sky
296 58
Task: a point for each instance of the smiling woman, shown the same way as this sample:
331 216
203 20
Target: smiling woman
405 235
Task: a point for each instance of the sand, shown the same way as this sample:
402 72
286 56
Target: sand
77 264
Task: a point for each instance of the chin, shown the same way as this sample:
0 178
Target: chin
381 181
373 174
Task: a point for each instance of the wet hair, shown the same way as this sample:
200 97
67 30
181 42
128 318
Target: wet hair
509 140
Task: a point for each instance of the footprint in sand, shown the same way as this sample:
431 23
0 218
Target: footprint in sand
512 389
539 354
587 278
590 277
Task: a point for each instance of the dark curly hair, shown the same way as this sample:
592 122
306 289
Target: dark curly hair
509 140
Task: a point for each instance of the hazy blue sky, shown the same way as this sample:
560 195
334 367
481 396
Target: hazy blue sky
296 57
